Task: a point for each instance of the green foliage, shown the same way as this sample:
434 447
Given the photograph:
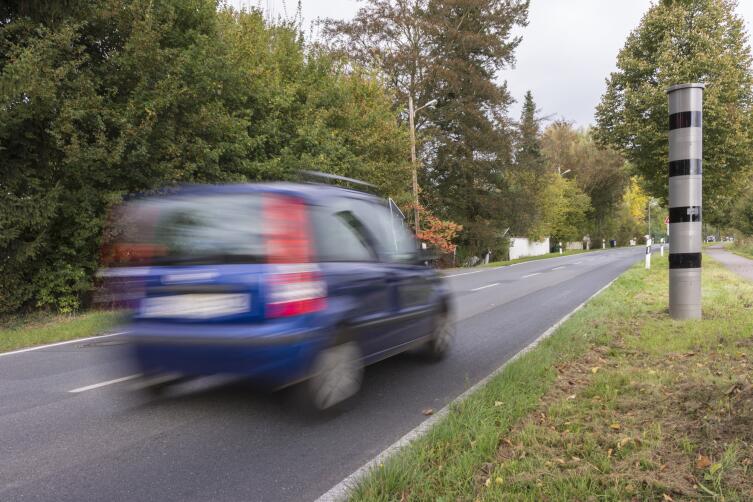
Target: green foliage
742 214
451 52
679 42
568 210
601 173
527 179
100 100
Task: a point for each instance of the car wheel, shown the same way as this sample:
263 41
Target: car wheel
337 373
441 337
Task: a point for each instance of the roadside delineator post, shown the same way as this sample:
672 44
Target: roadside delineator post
648 253
560 247
603 243
685 184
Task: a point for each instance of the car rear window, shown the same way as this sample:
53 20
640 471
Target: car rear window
187 230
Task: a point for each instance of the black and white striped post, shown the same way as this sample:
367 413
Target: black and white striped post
685 183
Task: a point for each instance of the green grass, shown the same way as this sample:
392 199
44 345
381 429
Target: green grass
619 404
40 329
744 249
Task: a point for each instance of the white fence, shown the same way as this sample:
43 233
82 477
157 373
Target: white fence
574 245
520 247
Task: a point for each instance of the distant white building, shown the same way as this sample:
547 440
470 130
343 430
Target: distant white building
521 247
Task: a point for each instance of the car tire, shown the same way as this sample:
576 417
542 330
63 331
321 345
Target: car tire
441 337
336 376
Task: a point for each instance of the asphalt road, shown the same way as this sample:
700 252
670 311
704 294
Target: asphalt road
218 440
736 263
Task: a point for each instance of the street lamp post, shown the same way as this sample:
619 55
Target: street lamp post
414 163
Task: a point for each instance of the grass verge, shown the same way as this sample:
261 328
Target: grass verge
621 403
743 248
534 258
40 329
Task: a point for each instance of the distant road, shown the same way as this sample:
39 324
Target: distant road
736 263
213 440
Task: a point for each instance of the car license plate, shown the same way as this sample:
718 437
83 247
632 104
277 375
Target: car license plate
195 306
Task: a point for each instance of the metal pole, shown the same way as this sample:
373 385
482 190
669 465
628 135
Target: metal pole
685 183
412 126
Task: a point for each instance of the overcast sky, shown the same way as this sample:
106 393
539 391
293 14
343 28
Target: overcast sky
569 47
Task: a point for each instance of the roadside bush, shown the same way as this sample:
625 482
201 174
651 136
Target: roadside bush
102 99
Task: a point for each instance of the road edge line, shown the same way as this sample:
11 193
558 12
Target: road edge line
57 344
340 491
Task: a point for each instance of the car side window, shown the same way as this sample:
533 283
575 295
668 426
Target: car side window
393 241
340 236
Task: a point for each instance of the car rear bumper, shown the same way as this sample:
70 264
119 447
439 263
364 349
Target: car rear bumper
271 358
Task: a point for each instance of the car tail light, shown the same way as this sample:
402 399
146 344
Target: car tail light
295 293
286 230
300 289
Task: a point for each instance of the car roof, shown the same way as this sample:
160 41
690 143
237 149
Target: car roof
313 193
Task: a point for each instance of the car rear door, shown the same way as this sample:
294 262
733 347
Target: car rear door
412 283
357 282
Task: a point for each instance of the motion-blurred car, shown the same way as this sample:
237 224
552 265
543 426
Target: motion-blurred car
283 283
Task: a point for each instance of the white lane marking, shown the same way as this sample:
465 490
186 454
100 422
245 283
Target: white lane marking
530 275
77 340
487 286
102 384
466 273
340 491
558 268
577 263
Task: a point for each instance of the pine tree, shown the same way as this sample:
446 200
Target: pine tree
528 147
528 176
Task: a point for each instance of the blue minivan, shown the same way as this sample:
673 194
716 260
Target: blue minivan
284 283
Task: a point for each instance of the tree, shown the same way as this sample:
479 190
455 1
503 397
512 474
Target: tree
600 172
451 52
391 36
98 100
568 210
682 41
306 109
104 99
630 218
742 214
528 177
